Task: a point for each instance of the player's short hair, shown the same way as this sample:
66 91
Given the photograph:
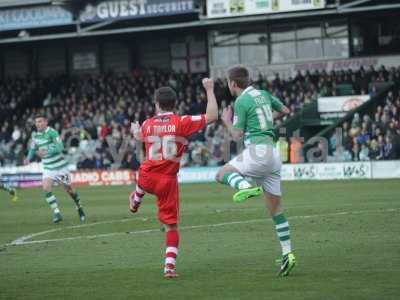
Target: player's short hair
165 97
40 115
240 75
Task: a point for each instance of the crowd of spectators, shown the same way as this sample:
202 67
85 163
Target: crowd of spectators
93 112
375 137
309 86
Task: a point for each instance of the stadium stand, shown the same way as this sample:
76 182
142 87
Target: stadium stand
375 137
102 106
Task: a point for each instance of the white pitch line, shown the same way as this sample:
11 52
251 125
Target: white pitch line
22 239
25 238
19 242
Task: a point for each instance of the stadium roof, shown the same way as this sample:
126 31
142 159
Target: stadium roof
11 3
341 7
366 5
15 3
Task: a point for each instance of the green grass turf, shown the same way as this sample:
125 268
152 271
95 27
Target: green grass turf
340 256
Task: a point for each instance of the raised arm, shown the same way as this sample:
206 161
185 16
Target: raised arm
136 131
212 106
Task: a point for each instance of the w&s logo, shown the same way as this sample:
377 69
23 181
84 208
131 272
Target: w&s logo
304 172
357 171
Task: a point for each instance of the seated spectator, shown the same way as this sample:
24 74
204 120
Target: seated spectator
388 152
363 137
364 153
355 150
375 152
130 162
355 125
87 162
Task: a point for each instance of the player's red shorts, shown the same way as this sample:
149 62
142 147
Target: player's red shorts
165 188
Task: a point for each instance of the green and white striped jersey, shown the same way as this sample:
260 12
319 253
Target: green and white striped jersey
50 141
253 114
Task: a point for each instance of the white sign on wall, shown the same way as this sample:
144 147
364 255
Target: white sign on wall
232 8
326 171
340 104
385 169
290 172
84 61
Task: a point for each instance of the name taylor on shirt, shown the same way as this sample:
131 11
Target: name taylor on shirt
158 129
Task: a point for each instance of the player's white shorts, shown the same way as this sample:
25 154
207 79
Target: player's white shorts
263 164
60 175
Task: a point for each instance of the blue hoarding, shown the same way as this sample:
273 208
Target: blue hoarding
134 9
31 17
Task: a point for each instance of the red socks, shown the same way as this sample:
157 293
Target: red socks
172 243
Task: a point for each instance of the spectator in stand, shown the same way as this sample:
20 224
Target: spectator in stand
87 162
381 146
364 153
355 125
388 152
374 152
16 135
130 162
363 137
396 142
355 150
347 144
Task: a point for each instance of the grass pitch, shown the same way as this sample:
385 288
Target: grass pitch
346 236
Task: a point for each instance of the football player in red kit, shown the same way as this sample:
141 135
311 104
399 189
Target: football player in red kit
165 136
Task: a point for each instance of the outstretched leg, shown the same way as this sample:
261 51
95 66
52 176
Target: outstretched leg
231 176
135 199
77 200
12 191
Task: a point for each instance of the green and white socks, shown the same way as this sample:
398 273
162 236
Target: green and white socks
7 188
76 198
236 181
52 201
283 233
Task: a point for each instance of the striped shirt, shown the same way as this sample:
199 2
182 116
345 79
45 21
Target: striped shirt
50 141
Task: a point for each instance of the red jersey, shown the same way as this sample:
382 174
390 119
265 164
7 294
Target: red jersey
165 139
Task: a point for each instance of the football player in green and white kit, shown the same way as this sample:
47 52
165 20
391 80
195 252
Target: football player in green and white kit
47 144
10 190
260 160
